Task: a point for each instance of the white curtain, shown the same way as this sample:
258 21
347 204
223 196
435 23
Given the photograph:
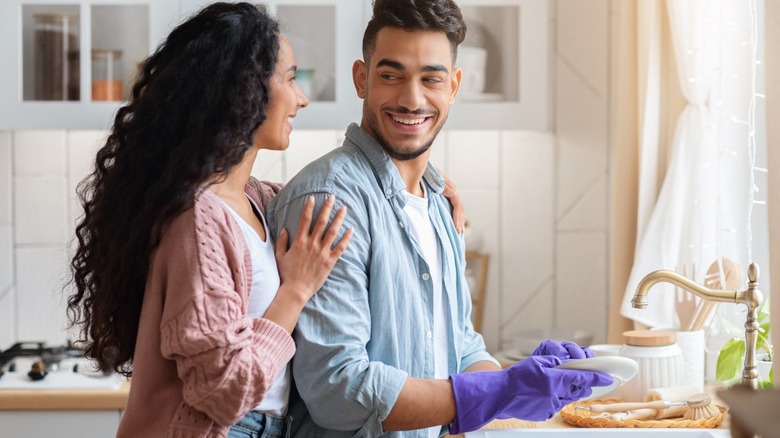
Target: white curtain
649 85
701 211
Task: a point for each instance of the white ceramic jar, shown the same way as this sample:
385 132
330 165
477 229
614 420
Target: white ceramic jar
660 362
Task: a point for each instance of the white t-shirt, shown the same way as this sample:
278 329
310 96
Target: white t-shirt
422 230
265 285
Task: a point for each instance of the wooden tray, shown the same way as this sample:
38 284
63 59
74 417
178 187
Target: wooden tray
583 418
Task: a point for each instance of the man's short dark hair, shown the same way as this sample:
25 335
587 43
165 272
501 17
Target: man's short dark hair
411 15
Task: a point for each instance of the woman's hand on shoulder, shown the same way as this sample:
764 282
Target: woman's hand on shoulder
306 265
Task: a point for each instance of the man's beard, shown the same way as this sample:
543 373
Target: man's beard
387 147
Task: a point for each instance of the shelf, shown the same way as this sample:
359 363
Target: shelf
510 38
124 31
489 54
50 63
311 30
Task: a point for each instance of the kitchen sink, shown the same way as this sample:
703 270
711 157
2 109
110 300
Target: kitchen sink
623 432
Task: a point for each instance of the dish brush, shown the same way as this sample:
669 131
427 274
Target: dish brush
698 407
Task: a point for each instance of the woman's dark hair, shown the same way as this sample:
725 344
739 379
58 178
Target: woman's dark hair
427 15
194 108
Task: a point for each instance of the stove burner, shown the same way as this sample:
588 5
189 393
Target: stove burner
49 355
38 371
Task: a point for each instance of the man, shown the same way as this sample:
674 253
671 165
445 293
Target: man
376 345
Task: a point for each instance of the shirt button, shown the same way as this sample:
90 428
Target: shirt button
388 192
401 224
429 335
425 277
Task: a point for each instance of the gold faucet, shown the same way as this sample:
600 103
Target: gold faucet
751 297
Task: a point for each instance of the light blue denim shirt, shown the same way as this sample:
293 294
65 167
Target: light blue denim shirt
371 324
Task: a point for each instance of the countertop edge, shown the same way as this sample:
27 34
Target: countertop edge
65 399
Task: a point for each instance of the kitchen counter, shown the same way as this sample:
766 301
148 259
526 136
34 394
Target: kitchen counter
64 399
557 423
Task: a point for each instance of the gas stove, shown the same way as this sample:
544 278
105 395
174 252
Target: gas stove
33 365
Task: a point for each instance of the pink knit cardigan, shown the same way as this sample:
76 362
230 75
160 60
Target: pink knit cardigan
200 363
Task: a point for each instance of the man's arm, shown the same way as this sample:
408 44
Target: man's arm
426 402
422 403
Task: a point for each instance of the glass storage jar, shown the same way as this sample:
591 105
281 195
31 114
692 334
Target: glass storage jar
660 362
106 75
56 48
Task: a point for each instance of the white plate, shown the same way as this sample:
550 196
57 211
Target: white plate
622 369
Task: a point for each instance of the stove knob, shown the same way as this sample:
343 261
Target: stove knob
37 371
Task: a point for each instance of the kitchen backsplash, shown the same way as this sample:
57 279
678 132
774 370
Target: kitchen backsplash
506 179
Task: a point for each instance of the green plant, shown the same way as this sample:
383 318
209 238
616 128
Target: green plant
732 356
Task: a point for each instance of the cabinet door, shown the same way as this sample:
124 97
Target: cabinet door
62 424
504 60
326 36
49 45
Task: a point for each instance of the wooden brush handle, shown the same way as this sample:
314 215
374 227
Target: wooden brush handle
617 407
636 414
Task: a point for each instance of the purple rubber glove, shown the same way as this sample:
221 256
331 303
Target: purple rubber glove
531 389
562 350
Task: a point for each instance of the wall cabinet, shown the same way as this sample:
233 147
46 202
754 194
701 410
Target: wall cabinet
47 79
505 63
64 64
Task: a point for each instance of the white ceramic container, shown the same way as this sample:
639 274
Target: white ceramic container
660 362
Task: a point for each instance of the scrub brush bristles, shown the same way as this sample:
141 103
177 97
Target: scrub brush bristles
700 407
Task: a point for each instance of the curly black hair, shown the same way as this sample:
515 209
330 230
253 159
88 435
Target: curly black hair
426 15
194 108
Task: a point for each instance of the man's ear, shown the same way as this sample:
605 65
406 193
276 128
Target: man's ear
455 84
359 78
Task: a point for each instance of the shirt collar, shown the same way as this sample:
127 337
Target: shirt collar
389 177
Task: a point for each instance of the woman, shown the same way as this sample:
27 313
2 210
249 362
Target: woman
176 278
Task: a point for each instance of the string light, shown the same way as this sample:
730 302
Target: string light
752 127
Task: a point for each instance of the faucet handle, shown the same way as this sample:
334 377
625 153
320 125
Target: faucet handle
752 273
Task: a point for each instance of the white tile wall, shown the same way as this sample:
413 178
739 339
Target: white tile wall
40 281
7 293
6 215
41 209
582 172
7 319
527 247
269 166
581 275
481 207
6 259
6 173
505 179
582 136
305 147
589 211
472 158
40 152
582 43
82 146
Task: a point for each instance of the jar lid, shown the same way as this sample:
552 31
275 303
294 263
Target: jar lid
106 53
649 338
50 17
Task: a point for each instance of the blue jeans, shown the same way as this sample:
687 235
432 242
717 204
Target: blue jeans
258 425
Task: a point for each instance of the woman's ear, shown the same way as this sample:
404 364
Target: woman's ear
359 78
